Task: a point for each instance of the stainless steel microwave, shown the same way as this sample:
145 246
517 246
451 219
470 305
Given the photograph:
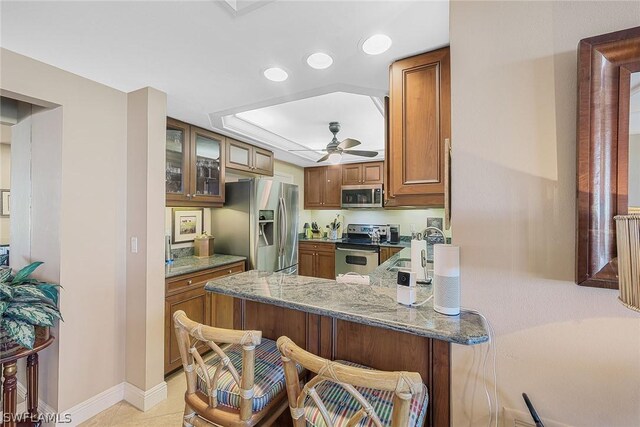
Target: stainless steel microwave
362 196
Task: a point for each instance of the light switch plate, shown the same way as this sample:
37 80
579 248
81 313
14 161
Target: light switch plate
134 245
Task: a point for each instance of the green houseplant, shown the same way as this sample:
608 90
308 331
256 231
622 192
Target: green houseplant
25 303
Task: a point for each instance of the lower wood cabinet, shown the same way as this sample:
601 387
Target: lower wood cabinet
387 252
187 293
316 259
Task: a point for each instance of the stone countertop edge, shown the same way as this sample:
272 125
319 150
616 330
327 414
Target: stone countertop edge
466 329
192 264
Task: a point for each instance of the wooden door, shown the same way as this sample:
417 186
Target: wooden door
207 167
419 123
373 173
314 179
352 174
326 265
239 155
196 304
262 161
333 186
178 161
306 262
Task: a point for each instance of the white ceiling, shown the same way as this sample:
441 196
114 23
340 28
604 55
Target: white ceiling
209 57
305 123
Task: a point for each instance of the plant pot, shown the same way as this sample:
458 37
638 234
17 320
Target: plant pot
7 345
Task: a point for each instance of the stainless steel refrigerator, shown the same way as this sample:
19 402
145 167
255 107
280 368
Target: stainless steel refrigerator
259 220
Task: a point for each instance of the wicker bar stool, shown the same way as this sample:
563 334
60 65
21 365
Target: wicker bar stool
242 385
345 394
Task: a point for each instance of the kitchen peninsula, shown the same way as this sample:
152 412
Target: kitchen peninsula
359 323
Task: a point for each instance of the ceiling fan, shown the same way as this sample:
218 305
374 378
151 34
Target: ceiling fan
335 149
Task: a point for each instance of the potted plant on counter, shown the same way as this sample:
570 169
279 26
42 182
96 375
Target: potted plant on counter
28 307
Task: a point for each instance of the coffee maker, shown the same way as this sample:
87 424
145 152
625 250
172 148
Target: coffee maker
393 233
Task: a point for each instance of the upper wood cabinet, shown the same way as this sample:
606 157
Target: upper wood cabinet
195 166
322 187
419 122
363 173
248 158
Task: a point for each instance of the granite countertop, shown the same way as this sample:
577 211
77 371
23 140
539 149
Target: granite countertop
191 264
373 304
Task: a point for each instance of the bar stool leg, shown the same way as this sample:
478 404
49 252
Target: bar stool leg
32 386
9 394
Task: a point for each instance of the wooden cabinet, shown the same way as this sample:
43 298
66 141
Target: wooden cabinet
419 122
363 173
195 166
387 252
317 259
187 293
322 186
248 158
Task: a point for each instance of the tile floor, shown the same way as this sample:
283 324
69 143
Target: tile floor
167 413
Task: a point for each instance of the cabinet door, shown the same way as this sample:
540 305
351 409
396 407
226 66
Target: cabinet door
384 254
372 173
262 161
196 304
177 155
352 174
239 155
332 187
314 187
419 123
326 265
207 166
306 262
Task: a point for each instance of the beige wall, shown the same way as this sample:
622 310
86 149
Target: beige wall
5 181
91 244
574 350
146 133
634 170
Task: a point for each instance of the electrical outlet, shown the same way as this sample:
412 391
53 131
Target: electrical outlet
514 418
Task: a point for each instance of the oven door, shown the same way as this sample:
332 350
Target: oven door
361 196
356 259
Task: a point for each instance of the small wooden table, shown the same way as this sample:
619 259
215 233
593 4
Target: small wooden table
9 387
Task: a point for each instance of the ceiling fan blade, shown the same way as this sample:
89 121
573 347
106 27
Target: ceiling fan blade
323 158
349 143
310 149
361 153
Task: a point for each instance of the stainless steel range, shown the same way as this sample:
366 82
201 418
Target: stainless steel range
359 252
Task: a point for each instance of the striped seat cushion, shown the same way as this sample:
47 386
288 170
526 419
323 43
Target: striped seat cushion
341 405
268 377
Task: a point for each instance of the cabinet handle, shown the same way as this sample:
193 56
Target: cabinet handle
189 282
189 195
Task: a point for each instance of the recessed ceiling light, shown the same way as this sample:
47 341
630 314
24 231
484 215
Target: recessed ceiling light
376 44
276 74
319 61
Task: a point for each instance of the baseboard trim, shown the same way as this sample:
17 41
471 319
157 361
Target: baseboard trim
43 408
94 405
145 400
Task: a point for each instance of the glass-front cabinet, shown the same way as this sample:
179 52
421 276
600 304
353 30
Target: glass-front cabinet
194 166
207 175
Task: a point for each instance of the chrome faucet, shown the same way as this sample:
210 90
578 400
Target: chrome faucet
424 233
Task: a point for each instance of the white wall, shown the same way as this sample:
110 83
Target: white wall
574 350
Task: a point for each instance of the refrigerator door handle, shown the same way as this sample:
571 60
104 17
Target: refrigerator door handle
281 226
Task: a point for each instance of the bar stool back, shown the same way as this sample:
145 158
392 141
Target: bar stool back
345 401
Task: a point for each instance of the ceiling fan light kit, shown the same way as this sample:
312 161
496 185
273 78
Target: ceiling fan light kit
335 149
